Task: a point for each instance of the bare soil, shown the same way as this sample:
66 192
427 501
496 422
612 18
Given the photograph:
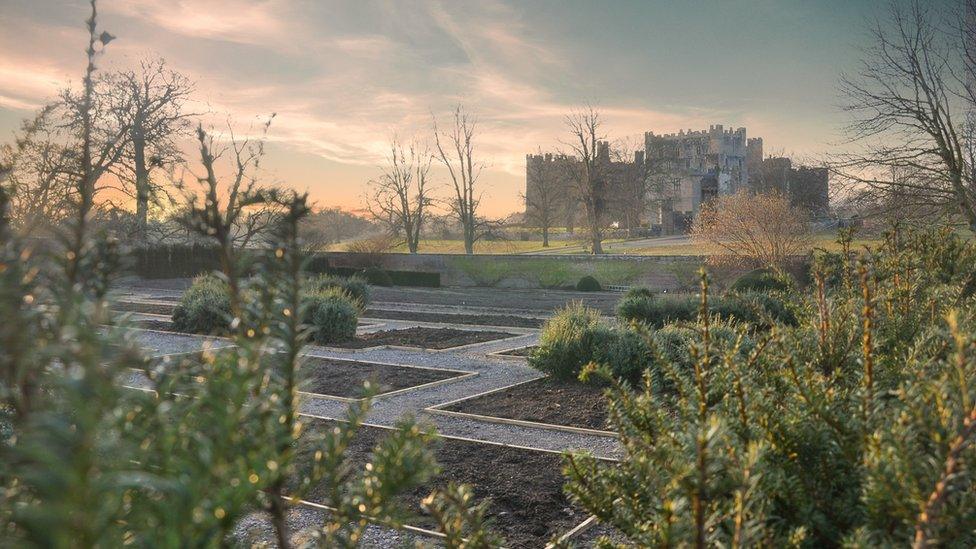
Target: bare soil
545 400
147 308
452 318
523 487
426 338
521 351
343 378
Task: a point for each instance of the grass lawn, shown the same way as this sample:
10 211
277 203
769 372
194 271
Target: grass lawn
826 241
485 246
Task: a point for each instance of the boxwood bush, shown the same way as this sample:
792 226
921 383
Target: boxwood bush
355 286
204 308
333 315
575 336
761 280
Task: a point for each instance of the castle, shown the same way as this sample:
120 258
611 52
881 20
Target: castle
664 185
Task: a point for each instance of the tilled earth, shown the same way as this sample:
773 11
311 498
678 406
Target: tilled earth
523 487
545 400
343 378
422 337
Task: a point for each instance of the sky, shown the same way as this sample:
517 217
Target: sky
345 77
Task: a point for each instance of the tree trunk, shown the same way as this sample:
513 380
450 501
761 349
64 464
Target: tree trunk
596 239
469 238
142 182
545 236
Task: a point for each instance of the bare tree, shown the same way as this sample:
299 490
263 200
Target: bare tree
754 230
455 149
400 197
333 225
546 200
912 101
42 175
588 174
152 102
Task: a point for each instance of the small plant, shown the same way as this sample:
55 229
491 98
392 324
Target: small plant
638 291
355 286
575 336
204 308
564 345
655 312
333 315
624 351
377 276
588 284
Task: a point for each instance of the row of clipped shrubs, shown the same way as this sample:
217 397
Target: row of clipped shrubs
756 298
655 331
331 306
319 264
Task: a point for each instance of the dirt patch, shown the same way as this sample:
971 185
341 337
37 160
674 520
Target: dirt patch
524 487
147 308
343 378
456 318
153 324
521 351
545 400
426 338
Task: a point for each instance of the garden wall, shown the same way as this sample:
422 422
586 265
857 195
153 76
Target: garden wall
527 271
671 273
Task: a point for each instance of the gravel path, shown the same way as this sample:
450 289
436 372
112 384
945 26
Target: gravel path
493 373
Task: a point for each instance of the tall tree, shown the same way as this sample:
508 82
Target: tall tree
400 197
912 102
455 149
588 175
152 100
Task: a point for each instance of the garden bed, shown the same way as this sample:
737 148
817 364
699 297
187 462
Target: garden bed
422 337
456 318
345 378
545 400
153 324
521 351
524 487
144 307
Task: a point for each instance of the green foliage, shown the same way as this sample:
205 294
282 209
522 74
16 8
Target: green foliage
377 276
761 280
756 309
638 291
564 344
356 287
333 315
204 308
853 427
575 336
588 284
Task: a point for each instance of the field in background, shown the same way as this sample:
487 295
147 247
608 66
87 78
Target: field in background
672 245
